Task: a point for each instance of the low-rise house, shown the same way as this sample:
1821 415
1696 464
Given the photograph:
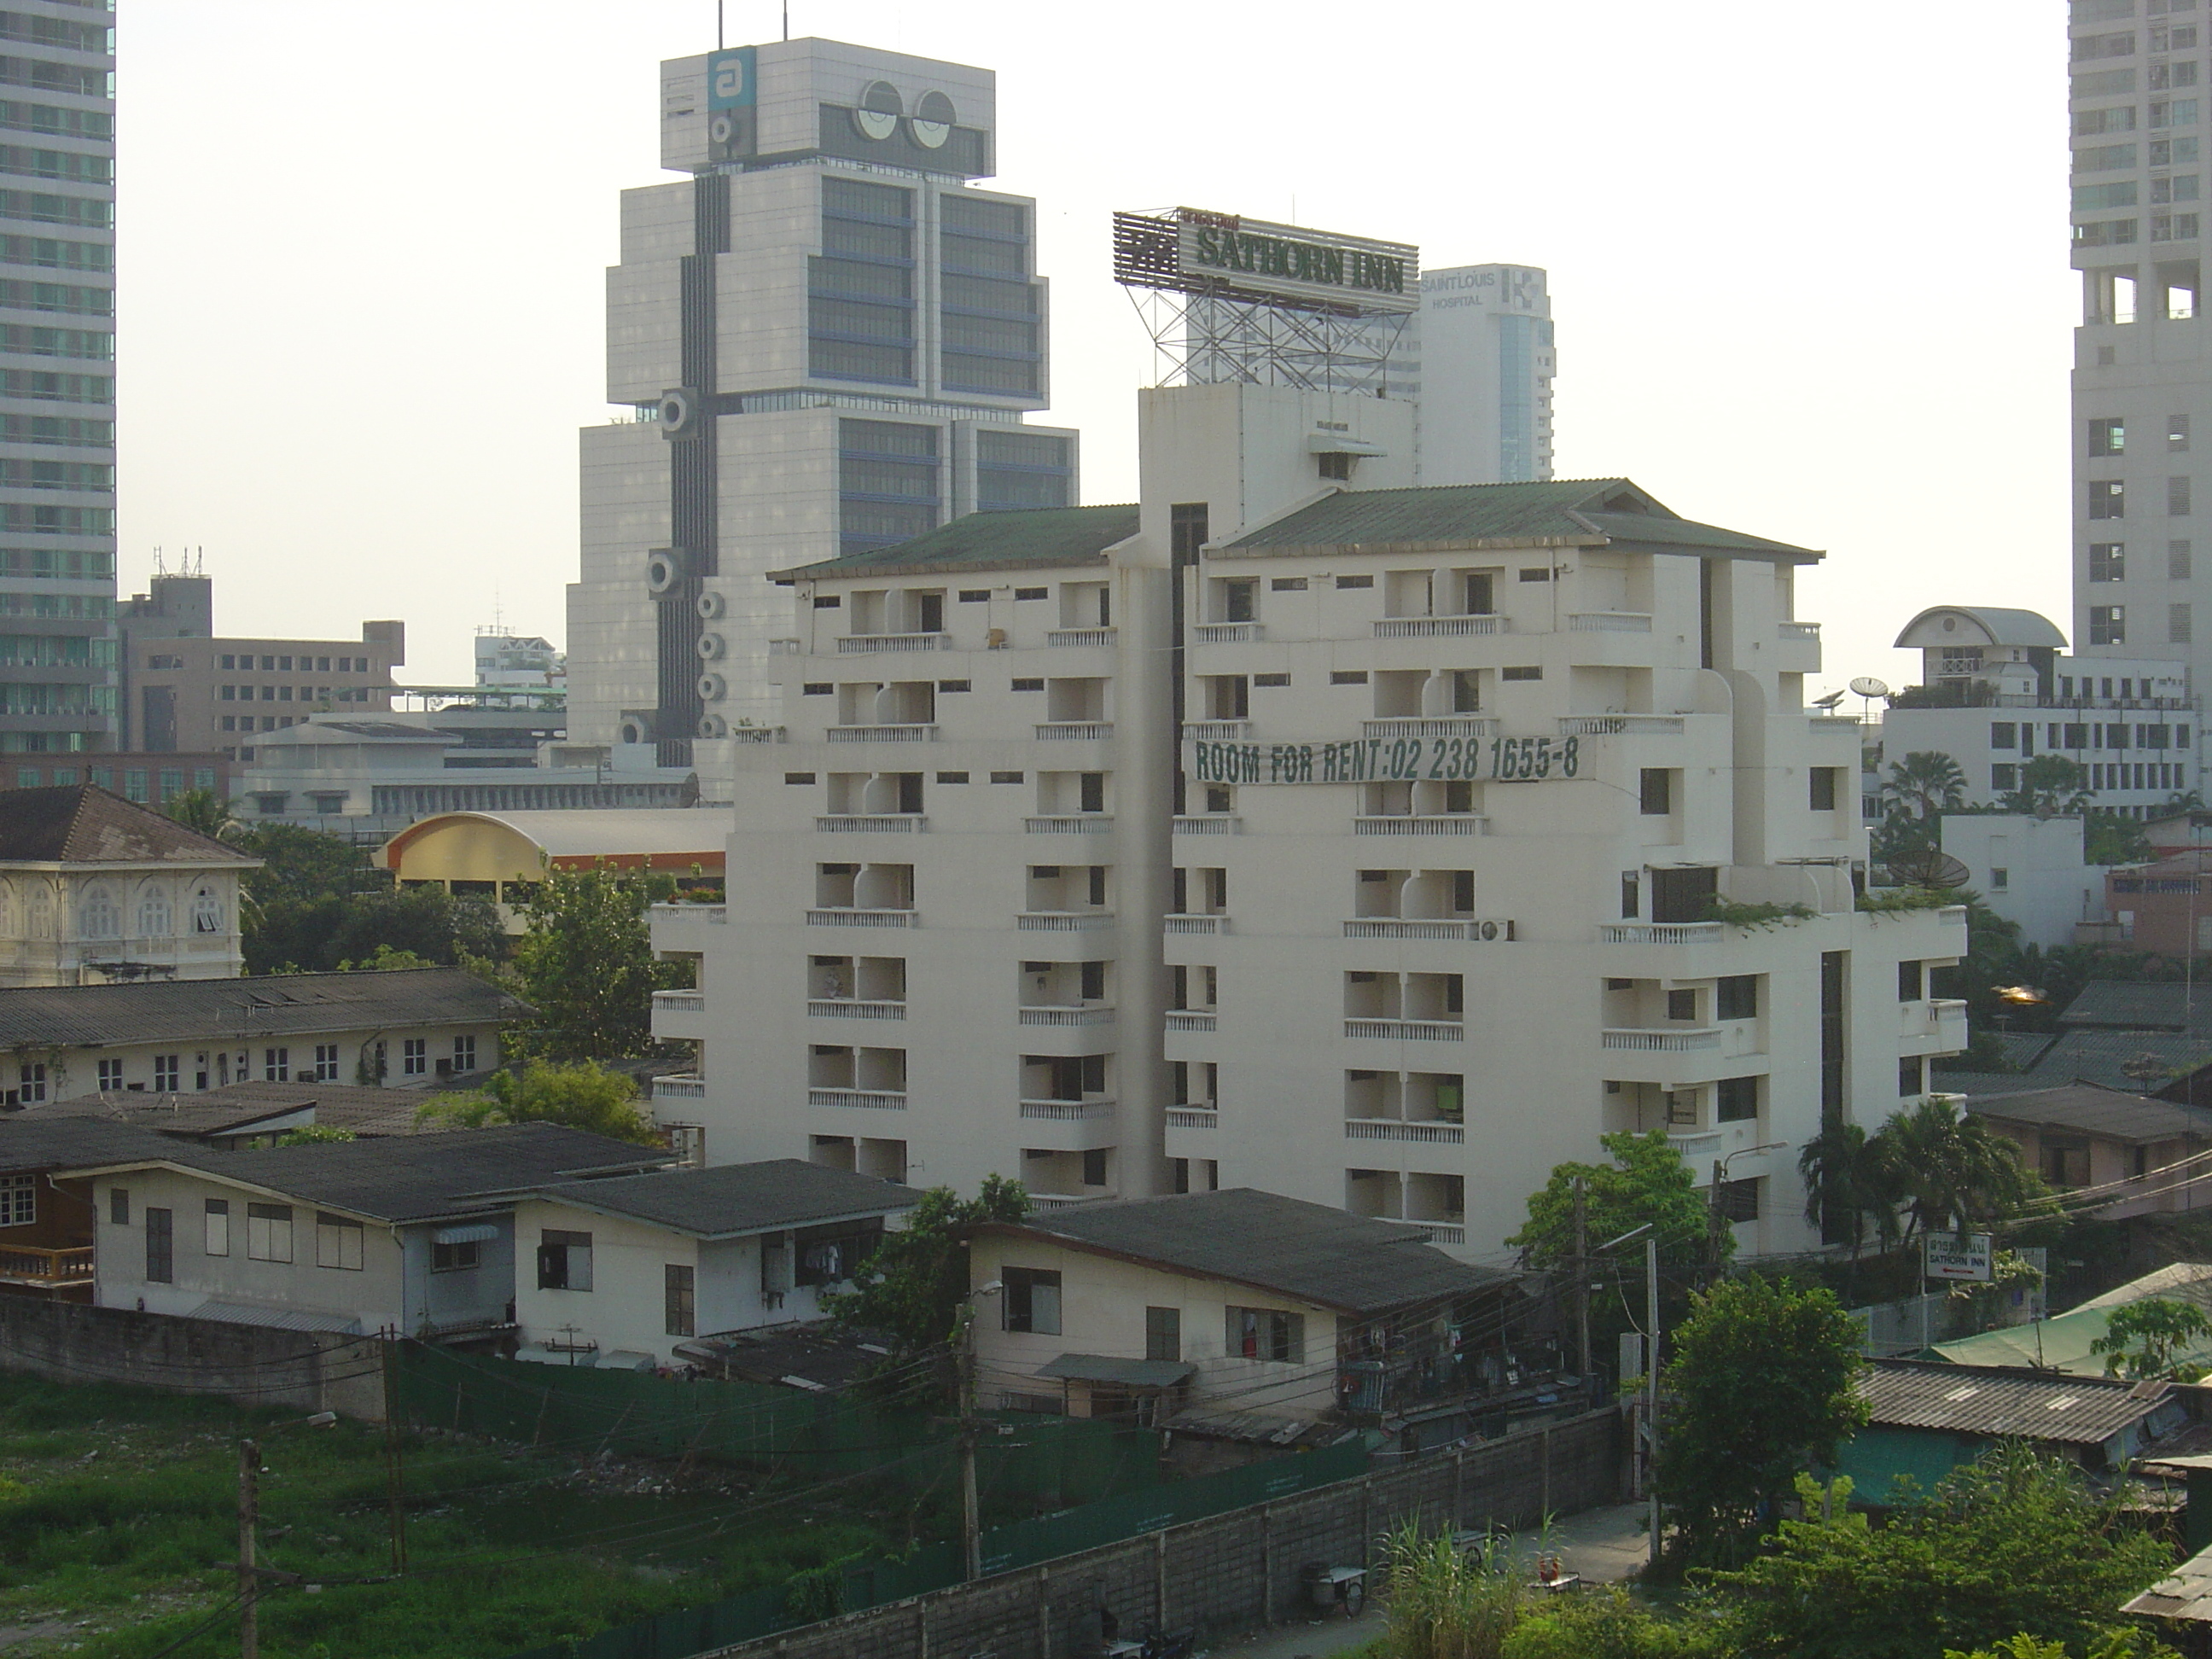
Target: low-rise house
2083 1135
94 888
242 1115
45 1215
2066 1342
413 1234
629 1272
412 1028
1237 1312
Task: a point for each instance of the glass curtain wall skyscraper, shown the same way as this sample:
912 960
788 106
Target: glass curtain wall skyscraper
58 673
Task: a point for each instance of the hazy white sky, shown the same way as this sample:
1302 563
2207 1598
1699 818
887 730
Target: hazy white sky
1809 262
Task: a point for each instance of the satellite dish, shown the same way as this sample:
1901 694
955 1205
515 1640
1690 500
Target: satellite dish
1930 869
1828 701
1867 686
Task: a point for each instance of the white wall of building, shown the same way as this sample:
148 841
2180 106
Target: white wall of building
1483 338
2029 871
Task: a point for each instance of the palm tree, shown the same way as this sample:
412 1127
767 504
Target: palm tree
2052 786
1926 781
1849 1183
205 812
1952 1169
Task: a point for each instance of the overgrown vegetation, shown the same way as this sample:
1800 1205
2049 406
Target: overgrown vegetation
586 963
580 1095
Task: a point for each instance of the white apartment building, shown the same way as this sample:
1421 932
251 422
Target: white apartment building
1997 690
1418 907
1482 374
822 341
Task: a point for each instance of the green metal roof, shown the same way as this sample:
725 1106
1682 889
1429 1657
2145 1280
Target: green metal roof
1580 510
992 541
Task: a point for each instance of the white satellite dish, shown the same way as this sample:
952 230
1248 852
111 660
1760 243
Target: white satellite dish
1866 685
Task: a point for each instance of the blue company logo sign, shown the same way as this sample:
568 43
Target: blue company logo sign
730 78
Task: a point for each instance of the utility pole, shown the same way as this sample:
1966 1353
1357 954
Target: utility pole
971 1520
1713 1222
1582 1278
1651 1387
395 1471
249 1513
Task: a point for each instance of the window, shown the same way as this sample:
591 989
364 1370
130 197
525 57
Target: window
2108 624
1028 685
2108 498
214 1227
1031 1300
1520 674
415 1056
1348 677
2003 734
1911 1075
1735 1099
1655 794
1681 1005
1739 1199
2176 425
1737 997
207 911
118 1207
2000 880
268 1232
19 1201
455 1258
1271 679
2004 777
2108 562
1029 593
111 1075
1355 582
1911 983
1266 1333
276 1065
32 1079
464 1052
161 1246
326 1062
1163 1332
339 1241
564 1260
679 1300
1630 899
1822 780
1286 585
2177 561
1006 777
2177 497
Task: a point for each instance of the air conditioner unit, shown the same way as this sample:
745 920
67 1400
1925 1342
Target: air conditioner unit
713 687
713 648
713 606
664 570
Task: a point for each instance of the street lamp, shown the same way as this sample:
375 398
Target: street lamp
249 1515
1720 1180
971 1517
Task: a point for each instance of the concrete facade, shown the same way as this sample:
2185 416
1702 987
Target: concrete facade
2029 871
1484 377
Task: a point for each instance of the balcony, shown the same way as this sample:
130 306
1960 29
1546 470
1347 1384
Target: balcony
854 1008
1798 631
758 734
683 1085
1395 927
1080 636
1217 823
917 734
1373 1128
1662 1043
1612 725
1609 621
1068 1111
871 823
1063 921
1409 1030
786 647
1236 633
1095 1014
1205 1118
669 915
1696 1145
873 1100
1935 1026
1441 1232
1217 731
1068 1200
865 644
680 1002
1191 1019
1085 823
1194 924
1440 628
1432 725
845 918
53 1270
1073 731
1456 823
1662 932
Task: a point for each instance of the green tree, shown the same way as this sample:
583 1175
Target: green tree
911 1290
2052 786
2114 838
1646 1180
1764 1385
586 961
205 812
583 1096
2141 1338
1953 1169
2015 1544
1924 783
315 1134
1851 1186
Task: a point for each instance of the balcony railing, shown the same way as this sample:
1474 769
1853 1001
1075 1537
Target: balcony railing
1195 925
1073 731
862 644
1096 1014
1661 932
1085 824
854 1008
1609 621
1068 1200
680 1002
758 734
1609 725
837 917
886 823
1694 1144
1456 823
1395 927
715 913
1660 1042
1374 1129
1410 1031
1191 1019
1231 730
1432 725
1063 921
1192 1118
1079 636
25 1264
1798 631
785 647
916 733
1214 824
1436 628
1441 1232
1238 633
682 1086
874 1100
1068 1111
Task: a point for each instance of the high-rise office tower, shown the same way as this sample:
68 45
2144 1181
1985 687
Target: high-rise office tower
823 341
56 376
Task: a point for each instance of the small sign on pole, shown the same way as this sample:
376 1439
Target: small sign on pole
1946 1255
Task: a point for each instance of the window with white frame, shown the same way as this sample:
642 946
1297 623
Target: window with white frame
268 1232
276 1065
216 1227
339 1241
465 1053
19 1201
1266 1333
414 1056
165 1069
326 1062
31 1083
110 1076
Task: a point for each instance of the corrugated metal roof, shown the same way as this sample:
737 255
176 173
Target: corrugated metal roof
84 823
2086 1108
2186 1281
54 1143
2101 1056
273 1004
277 1319
2186 1593
734 1199
2140 1005
1985 1086
235 1107
1457 515
992 541
1986 1400
1129 1373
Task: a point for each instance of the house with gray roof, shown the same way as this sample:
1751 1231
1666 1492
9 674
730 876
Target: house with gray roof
630 1272
2087 1135
413 1234
45 1215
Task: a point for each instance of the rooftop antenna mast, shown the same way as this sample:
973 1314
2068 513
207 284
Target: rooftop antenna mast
719 42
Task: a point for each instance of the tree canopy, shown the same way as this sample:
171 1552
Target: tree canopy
2142 1337
582 1095
586 963
1645 1181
